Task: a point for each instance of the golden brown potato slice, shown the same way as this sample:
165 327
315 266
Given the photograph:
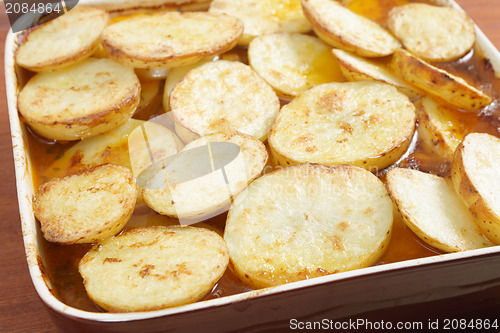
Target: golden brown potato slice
433 211
344 29
170 39
476 173
292 63
63 41
307 221
437 82
83 100
86 207
365 123
223 91
356 68
431 32
439 127
210 194
261 17
153 268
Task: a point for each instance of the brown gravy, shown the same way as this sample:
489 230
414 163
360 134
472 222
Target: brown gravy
60 262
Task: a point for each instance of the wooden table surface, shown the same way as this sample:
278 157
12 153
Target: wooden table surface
20 308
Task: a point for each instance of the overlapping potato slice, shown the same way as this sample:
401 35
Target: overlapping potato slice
87 206
292 63
437 82
476 174
439 127
170 39
130 6
433 211
365 123
356 68
153 268
261 17
63 41
307 221
208 176
83 100
223 91
344 29
431 32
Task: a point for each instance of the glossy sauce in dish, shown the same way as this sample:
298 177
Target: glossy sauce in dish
60 262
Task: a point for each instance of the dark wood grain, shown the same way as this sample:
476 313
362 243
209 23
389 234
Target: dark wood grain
20 308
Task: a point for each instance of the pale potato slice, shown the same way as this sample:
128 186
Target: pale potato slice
431 32
307 221
261 17
170 39
86 207
476 174
356 68
433 211
107 148
153 268
86 99
437 82
205 194
292 63
439 127
223 90
124 6
63 41
365 123
344 29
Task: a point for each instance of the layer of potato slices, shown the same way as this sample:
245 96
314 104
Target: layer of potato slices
433 211
344 29
476 174
63 41
431 32
261 17
292 63
223 91
307 221
86 207
153 268
365 123
438 83
170 39
83 100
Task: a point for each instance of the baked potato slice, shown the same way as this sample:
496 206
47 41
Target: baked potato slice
344 29
433 33
63 41
438 83
197 198
440 127
433 211
366 123
153 268
262 17
221 91
307 221
80 101
292 63
355 68
475 173
86 207
170 39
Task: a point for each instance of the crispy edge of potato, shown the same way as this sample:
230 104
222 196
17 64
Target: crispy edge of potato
437 82
487 220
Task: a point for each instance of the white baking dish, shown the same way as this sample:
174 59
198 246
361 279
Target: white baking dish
390 286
